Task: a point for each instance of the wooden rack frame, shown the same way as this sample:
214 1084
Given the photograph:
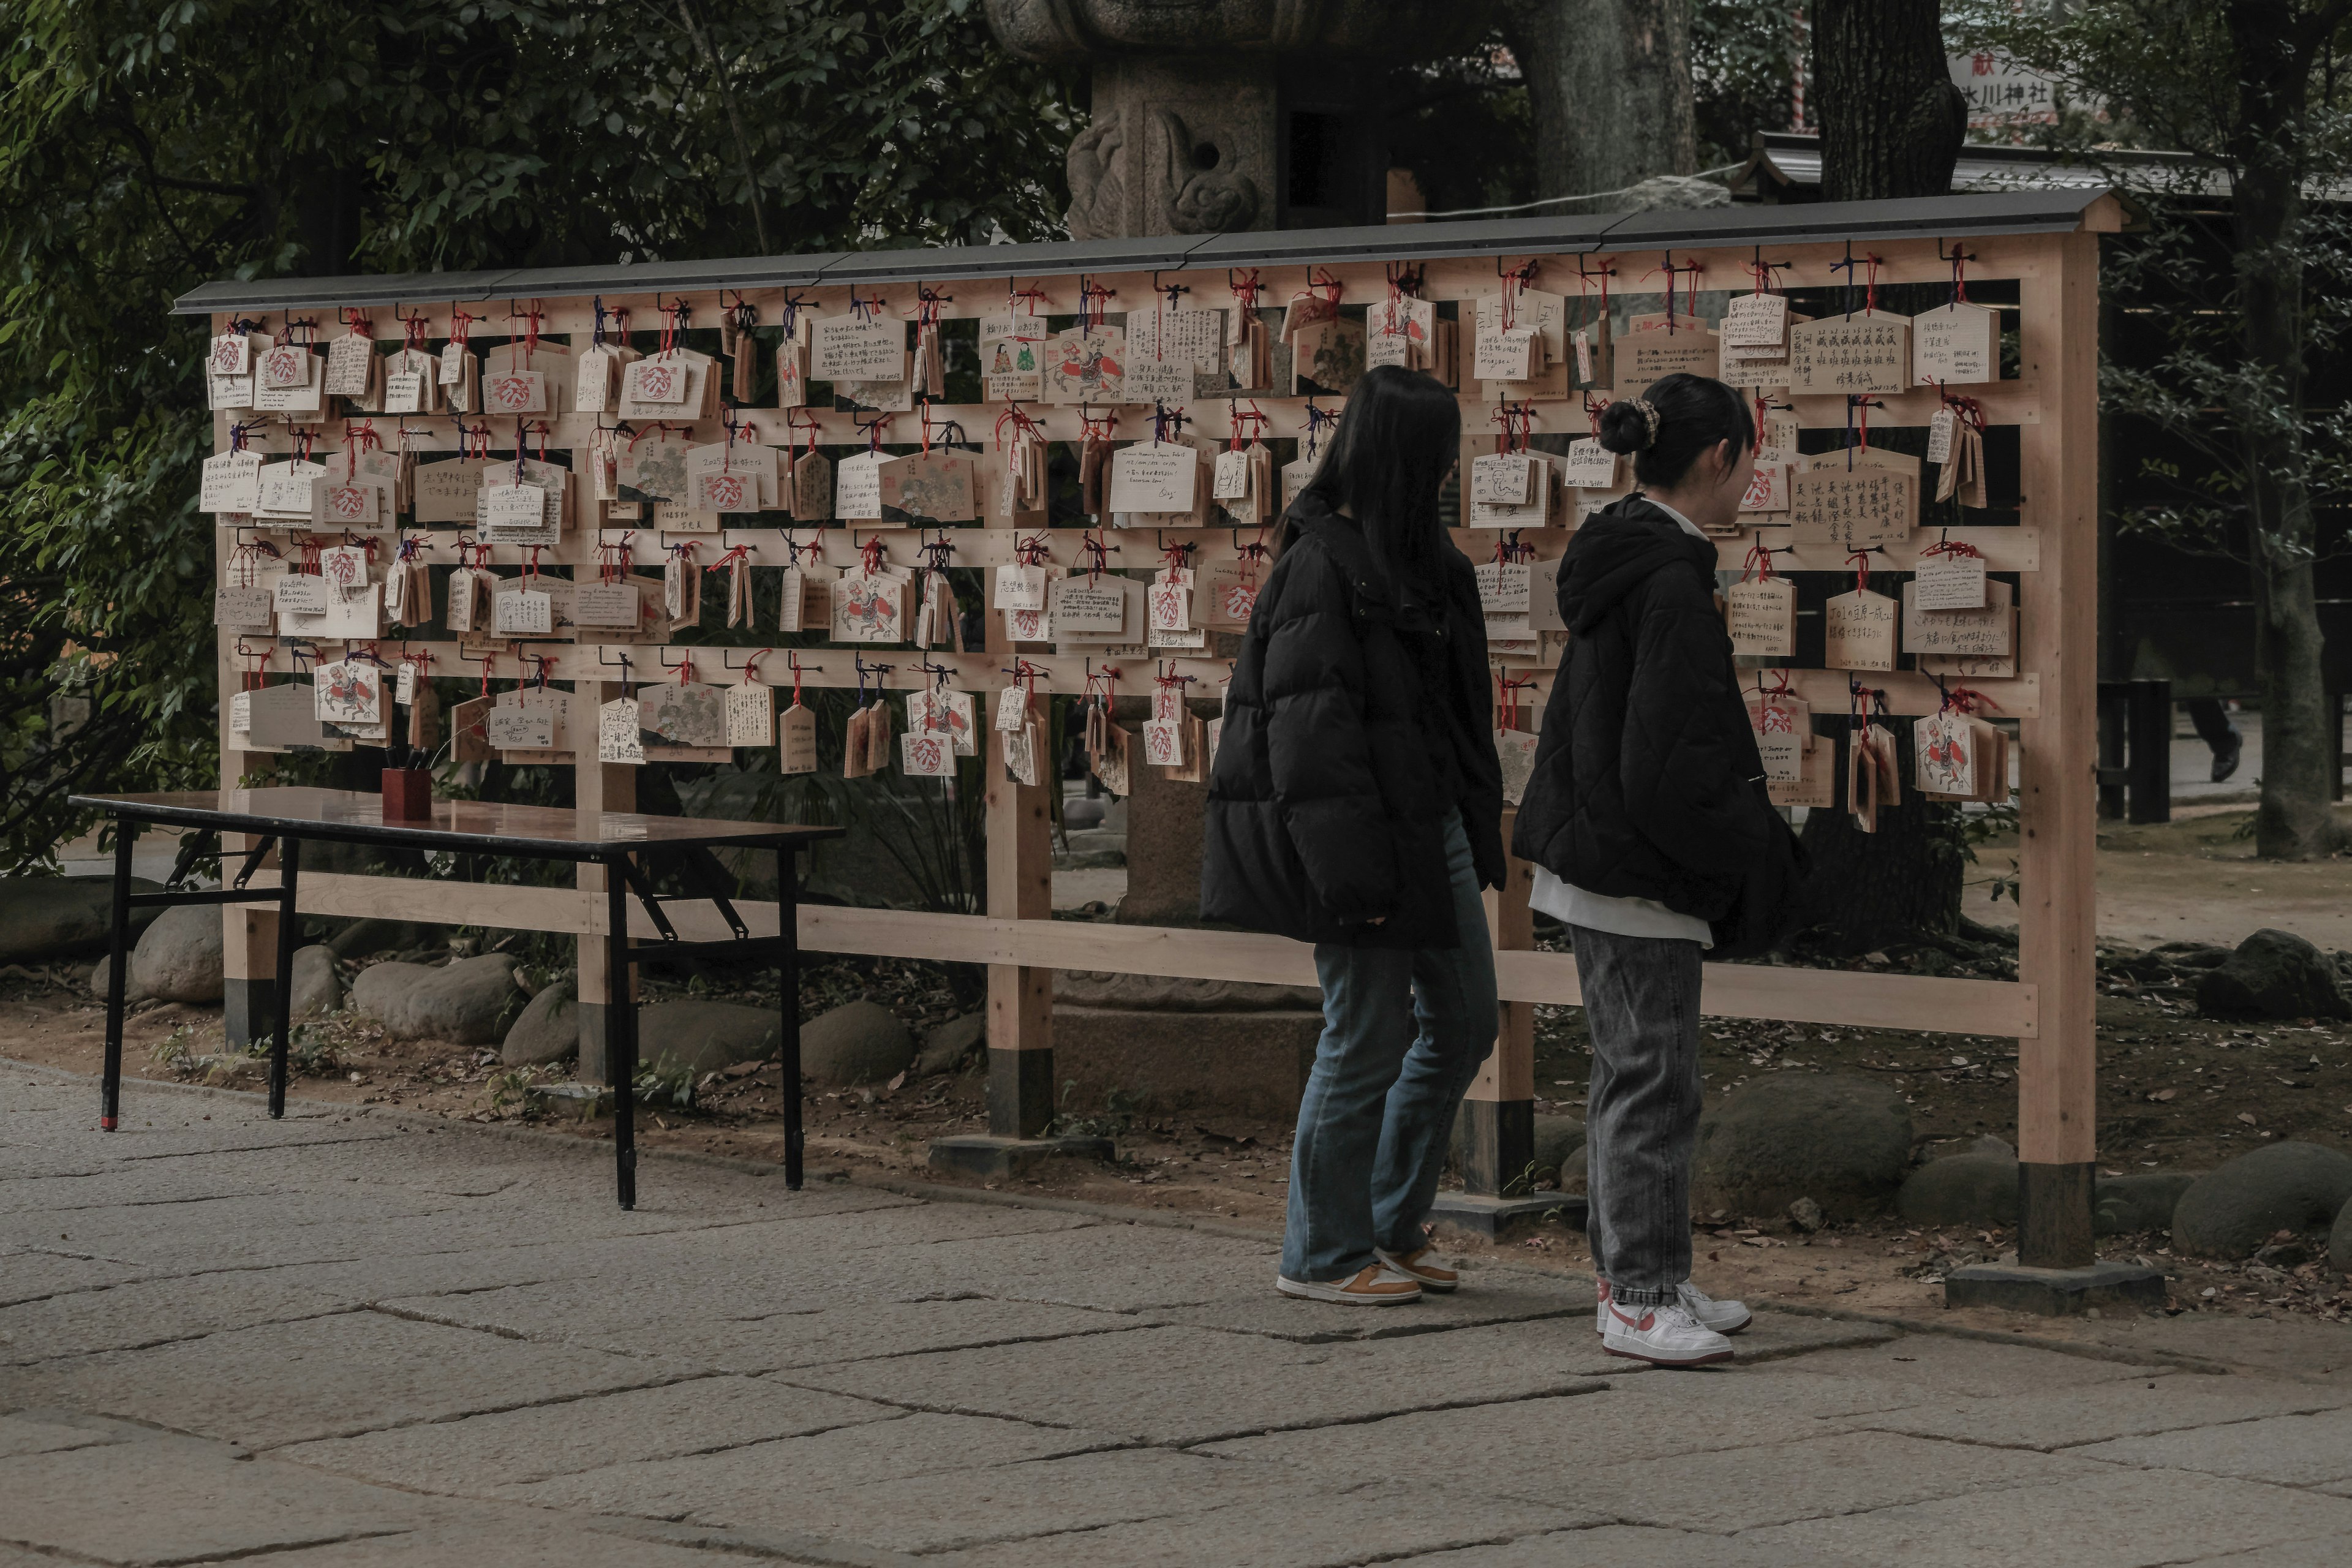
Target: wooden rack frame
2045 242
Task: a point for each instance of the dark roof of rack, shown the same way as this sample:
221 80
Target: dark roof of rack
2009 212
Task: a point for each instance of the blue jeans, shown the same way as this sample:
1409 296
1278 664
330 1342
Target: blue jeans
1404 1032
1641 1000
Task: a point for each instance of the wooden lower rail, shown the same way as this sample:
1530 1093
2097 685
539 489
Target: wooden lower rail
1733 990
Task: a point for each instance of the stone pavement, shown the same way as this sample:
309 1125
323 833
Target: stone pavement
347 1340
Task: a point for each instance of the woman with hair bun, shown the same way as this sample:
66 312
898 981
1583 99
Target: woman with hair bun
1654 840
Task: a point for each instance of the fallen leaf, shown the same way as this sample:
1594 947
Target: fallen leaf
895 1082
2247 1117
2164 1094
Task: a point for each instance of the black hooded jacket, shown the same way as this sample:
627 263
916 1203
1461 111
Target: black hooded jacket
1326 807
1647 782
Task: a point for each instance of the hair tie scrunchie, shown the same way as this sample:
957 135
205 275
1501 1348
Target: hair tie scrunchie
1649 417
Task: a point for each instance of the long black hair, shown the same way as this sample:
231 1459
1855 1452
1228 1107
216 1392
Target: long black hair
1400 438
1672 423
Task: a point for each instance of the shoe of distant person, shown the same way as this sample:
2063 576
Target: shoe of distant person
1374 1285
2225 760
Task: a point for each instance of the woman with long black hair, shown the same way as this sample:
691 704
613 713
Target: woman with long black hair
1654 840
1357 805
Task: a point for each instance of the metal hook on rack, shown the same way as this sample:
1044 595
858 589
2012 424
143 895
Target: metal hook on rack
685 662
864 669
621 663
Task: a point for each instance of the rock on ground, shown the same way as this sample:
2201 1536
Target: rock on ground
180 957
2229 1212
707 1036
1843 1141
2274 974
2143 1201
1559 1146
318 989
467 1002
1087 988
945 1045
366 938
1961 1189
548 1029
61 917
858 1042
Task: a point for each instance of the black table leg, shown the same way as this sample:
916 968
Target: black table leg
118 967
787 974
621 1034
289 870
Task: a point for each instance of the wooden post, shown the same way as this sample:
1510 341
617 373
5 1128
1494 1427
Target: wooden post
248 931
598 786
1499 1109
1020 887
2057 1134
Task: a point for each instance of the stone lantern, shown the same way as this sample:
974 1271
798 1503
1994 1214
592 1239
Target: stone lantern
1213 116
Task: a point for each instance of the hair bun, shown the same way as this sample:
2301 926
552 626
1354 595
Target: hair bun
1626 426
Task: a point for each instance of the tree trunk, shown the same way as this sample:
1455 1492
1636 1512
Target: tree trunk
1609 88
1891 126
1891 119
2297 820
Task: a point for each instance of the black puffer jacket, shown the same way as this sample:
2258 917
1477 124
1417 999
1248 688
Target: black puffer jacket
1323 812
1647 783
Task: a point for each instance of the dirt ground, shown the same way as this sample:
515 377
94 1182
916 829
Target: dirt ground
2177 1092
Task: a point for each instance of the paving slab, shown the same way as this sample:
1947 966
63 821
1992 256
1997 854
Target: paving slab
171 1499
961 1509
1945 1364
770 1484
257 1229
734 1324
326 1377
477 1453
2333 1551
2291 1450
1116 1268
154 1312
2129 1519
1516 1449
1178 1386
2299 1347
519 1540
2134 1407
1743 1489
1324 1528
1490 1299
53 1431
1777 1336
1620 1545
34 1273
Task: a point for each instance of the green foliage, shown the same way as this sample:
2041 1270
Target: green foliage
1744 60
147 146
2224 414
664 1085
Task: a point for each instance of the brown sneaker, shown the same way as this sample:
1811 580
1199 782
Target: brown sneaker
1416 1265
1371 1286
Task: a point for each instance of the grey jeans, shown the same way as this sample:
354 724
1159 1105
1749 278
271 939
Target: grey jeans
1641 1001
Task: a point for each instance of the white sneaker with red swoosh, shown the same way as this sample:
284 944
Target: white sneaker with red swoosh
1662 1336
1723 1317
